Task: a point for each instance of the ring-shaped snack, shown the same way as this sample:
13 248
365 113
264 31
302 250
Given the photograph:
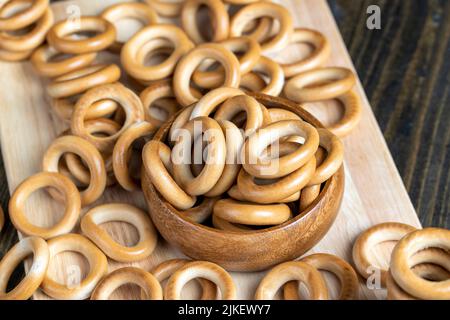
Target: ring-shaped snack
292 271
92 158
367 240
41 60
252 214
34 246
252 82
333 159
264 9
59 36
98 267
266 168
63 108
277 190
320 84
135 49
315 59
81 80
148 237
187 65
31 39
274 73
126 98
167 268
426 270
234 141
210 131
23 18
400 266
158 166
159 90
242 103
341 269
38 181
251 53
151 289
200 269
209 103
122 152
218 15
141 12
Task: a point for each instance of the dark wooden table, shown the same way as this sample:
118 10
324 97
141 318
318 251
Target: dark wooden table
405 70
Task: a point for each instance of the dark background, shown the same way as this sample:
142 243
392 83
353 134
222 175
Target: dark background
404 68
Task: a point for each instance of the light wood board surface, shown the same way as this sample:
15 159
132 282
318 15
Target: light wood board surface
374 191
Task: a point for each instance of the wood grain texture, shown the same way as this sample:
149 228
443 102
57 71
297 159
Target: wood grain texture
370 197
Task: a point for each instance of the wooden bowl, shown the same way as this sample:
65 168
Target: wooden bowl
254 250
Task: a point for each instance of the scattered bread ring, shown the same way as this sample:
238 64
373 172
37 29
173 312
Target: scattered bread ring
58 36
400 267
274 72
138 11
23 18
42 180
139 219
121 152
320 84
81 80
146 281
218 14
41 60
327 262
200 269
187 65
98 265
38 248
425 270
292 271
251 54
92 158
263 9
135 48
388 231
31 39
315 59
123 96
167 268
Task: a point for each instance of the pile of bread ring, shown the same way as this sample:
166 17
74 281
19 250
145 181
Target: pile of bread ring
171 72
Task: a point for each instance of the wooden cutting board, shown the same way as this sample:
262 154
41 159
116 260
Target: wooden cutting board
374 191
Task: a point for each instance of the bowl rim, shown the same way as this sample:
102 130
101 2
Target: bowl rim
296 108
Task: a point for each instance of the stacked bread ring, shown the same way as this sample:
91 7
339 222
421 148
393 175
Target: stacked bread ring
23 27
259 166
419 267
